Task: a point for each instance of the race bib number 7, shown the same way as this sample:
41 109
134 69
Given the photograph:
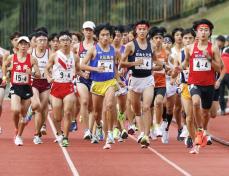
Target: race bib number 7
147 63
108 64
20 78
200 64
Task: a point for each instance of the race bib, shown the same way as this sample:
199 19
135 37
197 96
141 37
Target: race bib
200 64
108 64
20 78
147 63
42 71
65 75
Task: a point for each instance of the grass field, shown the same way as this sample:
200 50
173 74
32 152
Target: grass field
219 15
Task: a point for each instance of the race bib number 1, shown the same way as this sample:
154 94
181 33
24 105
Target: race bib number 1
200 64
108 64
20 78
147 63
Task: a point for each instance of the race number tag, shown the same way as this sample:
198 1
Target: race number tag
42 71
108 64
200 64
147 63
65 76
20 78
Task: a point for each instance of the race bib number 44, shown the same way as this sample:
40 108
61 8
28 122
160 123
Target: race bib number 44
147 63
20 78
108 64
200 64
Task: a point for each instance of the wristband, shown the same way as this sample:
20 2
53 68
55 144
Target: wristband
4 78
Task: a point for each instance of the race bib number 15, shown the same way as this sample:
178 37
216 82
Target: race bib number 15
20 78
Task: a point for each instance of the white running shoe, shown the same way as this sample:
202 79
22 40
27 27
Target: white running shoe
165 137
140 136
94 139
18 141
37 140
87 135
157 130
59 138
164 125
107 146
110 138
209 140
184 133
153 134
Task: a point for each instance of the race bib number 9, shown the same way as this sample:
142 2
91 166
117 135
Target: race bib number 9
200 64
147 63
108 64
20 78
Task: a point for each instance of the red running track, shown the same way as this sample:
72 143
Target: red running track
90 159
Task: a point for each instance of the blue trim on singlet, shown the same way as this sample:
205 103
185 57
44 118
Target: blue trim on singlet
102 55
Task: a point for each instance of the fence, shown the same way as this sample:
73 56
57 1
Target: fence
70 14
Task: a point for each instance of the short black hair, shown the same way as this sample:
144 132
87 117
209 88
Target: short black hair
221 38
41 33
66 32
141 22
188 31
52 36
43 29
118 28
156 31
15 35
170 37
202 21
175 30
33 34
102 26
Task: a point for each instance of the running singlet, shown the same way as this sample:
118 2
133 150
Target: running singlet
185 73
18 72
144 70
106 59
201 72
82 52
64 67
159 76
42 62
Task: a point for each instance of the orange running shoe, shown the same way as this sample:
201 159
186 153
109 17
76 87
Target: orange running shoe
199 137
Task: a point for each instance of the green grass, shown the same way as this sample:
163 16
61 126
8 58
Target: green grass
219 15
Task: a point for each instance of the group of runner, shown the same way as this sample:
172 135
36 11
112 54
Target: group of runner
118 81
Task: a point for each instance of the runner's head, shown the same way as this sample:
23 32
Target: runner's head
41 40
188 36
132 32
88 29
118 33
220 41
203 28
64 38
41 29
14 37
157 34
53 41
176 33
23 44
32 38
125 38
168 41
104 32
76 37
142 27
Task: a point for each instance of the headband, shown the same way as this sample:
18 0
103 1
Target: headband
64 37
142 26
168 40
203 25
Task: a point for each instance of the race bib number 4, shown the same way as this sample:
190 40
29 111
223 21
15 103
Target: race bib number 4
147 63
20 78
108 64
200 64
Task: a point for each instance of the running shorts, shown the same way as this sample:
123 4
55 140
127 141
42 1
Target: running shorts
138 85
61 90
100 88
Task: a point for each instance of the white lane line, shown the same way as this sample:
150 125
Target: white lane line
64 150
185 173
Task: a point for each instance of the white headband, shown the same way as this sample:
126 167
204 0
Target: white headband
64 37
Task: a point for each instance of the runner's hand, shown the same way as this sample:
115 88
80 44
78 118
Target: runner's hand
50 80
86 75
139 62
100 69
217 84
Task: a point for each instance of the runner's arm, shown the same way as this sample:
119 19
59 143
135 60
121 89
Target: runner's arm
185 63
49 67
216 61
37 73
77 66
6 61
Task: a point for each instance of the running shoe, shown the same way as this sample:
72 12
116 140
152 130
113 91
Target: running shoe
189 142
120 139
157 130
107 146
179 138
152 133
165 137
131 129
145 140
209 140
195 149
121 117
99 133
87 134
140 136
124 134
59 138
18 141
116 133
110 138
73 126
94 139
43 129
37 140
184 132
164 125
65 142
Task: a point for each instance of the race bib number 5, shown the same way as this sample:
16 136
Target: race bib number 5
20 78
200 64
147 63
108 64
